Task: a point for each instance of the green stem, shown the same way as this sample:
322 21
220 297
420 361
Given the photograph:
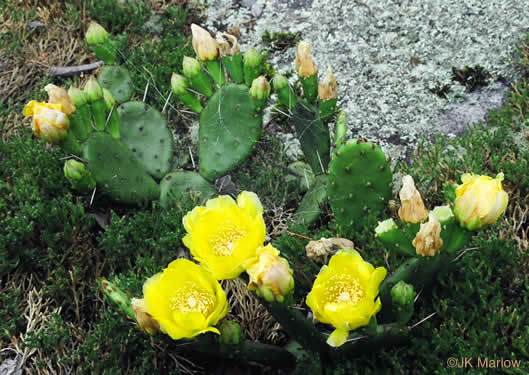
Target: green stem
113 124
396 241
99 113
190 101
459 237
71 145
105 51
202 83
287 97
80 122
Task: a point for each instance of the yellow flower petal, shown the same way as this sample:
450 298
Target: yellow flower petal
249 202
338 337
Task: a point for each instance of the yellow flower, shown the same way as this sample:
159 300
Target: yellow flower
304 63
224 236
480 201
344 294
185 300
271 275
428 240
203 43
49 122
144 319
58 95
412 208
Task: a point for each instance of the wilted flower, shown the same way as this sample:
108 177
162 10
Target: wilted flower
224 236
185 300
144 319
228 45
271 276
203 43
58 95
480 201
328 88
428 240
345 294
323 248
49 122
412 208
304 63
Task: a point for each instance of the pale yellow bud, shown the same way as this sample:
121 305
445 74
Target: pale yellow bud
428 240
271 275
304 63
412 208
49 122
203 43
144 319
58 95
227 44
328 88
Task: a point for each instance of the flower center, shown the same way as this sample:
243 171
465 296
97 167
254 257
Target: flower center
190 298
223 242
344 289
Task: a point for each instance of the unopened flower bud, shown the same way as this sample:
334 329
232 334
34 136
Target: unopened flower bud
412 208
58 95
428 240
77 95
49 122
271 276
110 102
203 43
96 34
328 88
179 84
230 332
145 320
304 63
227 44
93 90
279 81
252 58
260 88
78 175
480 201
403 293
190 66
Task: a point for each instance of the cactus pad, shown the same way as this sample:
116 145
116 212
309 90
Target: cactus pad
359 182
313 135
145 132
181 184
117 171
116 79
229 129
309 208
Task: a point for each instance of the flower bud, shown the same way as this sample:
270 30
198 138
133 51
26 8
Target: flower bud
96 34
93 90
480 201
403 293
252 58
49 122
204 45
58 95
230 332
260 88
145 320
110 102
271 276
428 240
179 84
304 63
279 81
227 44
77 95
191 67
79 176
412 208
328 88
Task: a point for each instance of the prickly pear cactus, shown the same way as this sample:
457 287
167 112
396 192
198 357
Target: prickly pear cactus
144 131
179 184
116 79
309 209
359 182
117 171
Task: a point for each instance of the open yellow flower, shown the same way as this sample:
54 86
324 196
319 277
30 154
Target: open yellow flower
480 200
224 236
49 122
185 300
344 294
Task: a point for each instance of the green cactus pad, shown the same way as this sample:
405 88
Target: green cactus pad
359 182
181 184
117 171
313 135
309 208
144 131
229 129
116 79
